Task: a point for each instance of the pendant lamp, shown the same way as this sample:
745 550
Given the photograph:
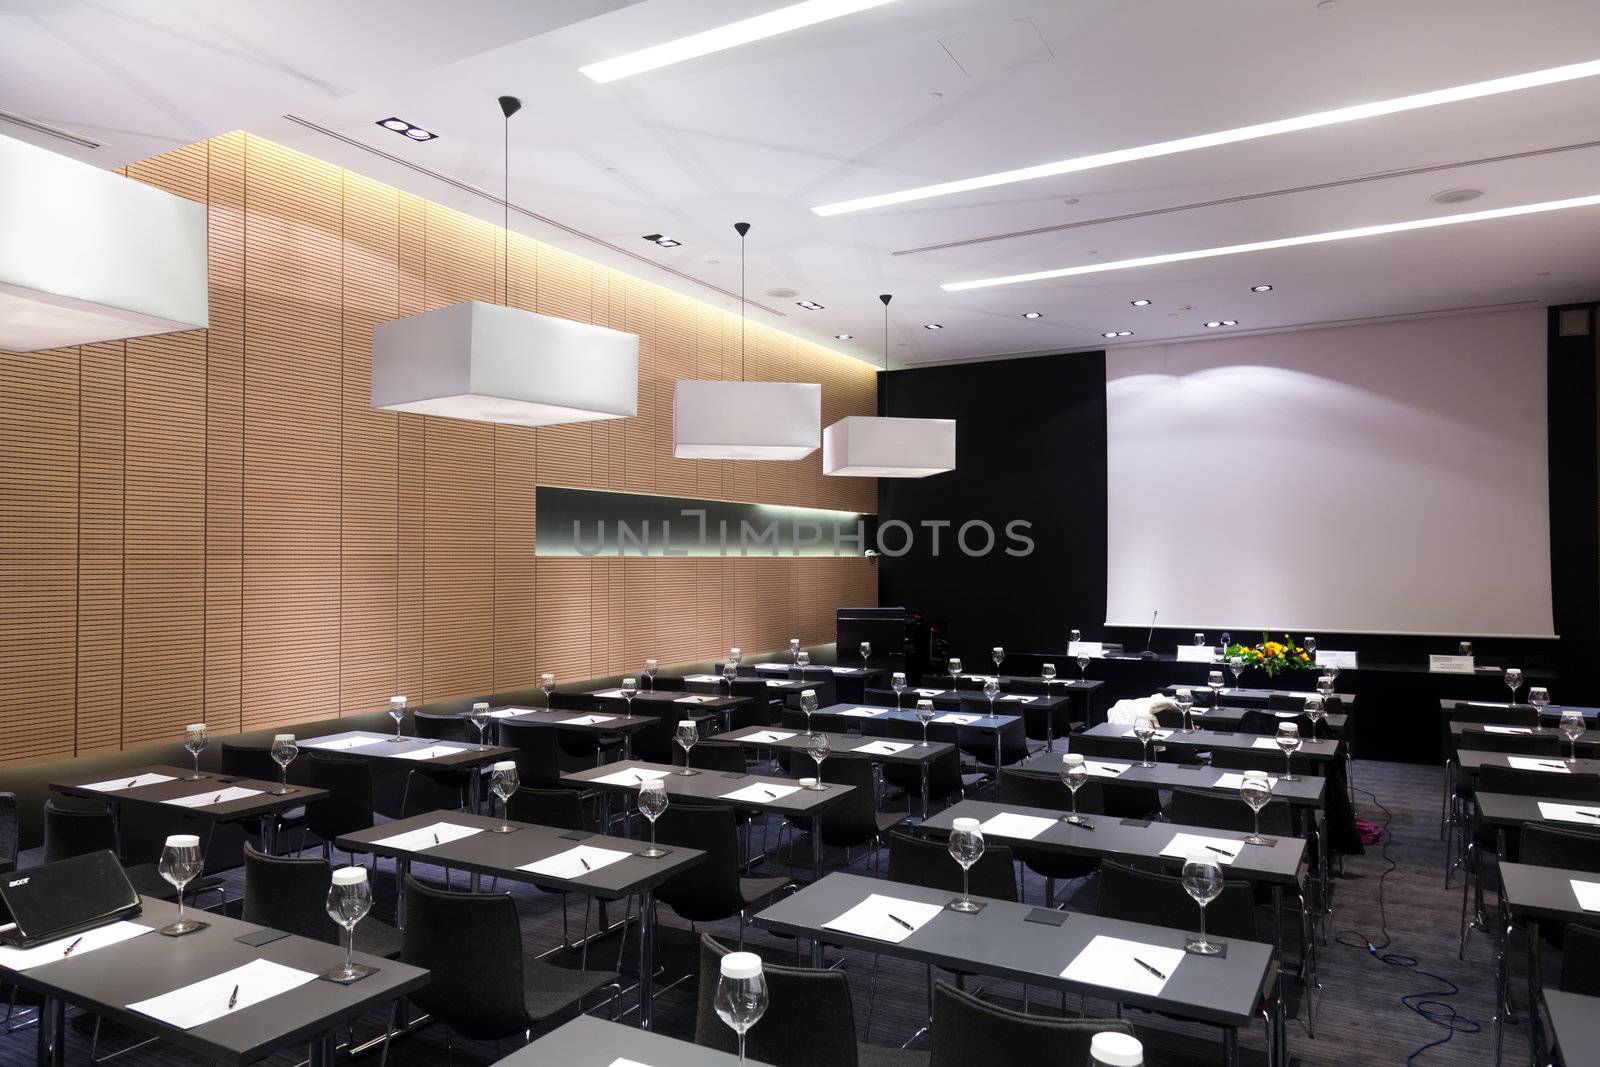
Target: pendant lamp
745 420
861 446
490 363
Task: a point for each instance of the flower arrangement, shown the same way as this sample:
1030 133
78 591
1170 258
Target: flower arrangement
1271 656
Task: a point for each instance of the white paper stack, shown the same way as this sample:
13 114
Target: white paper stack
432 752
1266 742
863 713
1233 780
927 692
205 1000
767 737
761 793
1182 844
1104 770
1114 962
617 693
570 864
885 748
424 838
876 917
20 959
1011 824
958 720
1493 729
226 795
631 777
1587 816
1533 763
343 744
585 720
136 782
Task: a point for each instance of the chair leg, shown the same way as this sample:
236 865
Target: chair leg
1469 862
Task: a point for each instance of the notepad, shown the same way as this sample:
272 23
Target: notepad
205 1000
585 720
1182 844
343 744
20 959
615 693
1020 699
1011 824
761 793
1105 770
1586 816
135 782
875 918
927 692
863 713
958 720
418 840
703 678
1588 894
1266 742
1492 729
570 864
1113 962
884 748
1234 780
504 713
215 796
630 777
693 700
432 752
1534 763
766 737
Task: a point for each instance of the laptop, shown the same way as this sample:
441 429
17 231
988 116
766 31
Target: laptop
66 897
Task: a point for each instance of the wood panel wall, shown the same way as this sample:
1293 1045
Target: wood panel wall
216 526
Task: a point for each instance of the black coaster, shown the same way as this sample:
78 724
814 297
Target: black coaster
661 853
575 835
362 971
1046 916
1135 822
1223 945
225 780
194 927
257 938
979 906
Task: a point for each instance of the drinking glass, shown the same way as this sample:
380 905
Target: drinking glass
479 717
503 783
1255 791
954 666
1214 683
898 684
991 689
1144 728
1513 682
1311 646
924 716
734 655
1077 635
1289 741
1202 878
652 802
729 673
1199 639
1464 648
1236 664
1225 639
397 712
688 733
547 685
1083 667
866 654
1048 673
180 864
195 740
629 690
349 900
1316 710
1185 701
808 704
966 848
819 746
1539 698
741 997
1074 772
794 651
650 675
1325 687
997 654
802 660
284 750
1572 727
1331 670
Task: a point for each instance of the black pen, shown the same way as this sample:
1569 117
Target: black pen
1557 766
1590 814
585 864
436 839
770 793
901 921
1221 851
216 798
234 999
69 948
1149 968
131 784
1083 825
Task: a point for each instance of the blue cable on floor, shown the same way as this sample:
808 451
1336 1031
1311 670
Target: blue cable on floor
1424 1003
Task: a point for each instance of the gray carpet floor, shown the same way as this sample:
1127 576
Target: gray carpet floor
1361 1016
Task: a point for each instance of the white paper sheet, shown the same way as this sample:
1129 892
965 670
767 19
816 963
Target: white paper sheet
423 838
343 744
207 999
504 713
585 720
1085 648
693 700
1493 729
616 693
958 720
703 678
630 777
777 681
1534 763
927 692
761 793
1019 699
1266 742
1233 780
875 918
1011 824
1570 813
432 752
1104 770
1588 894
214 796
1159 735
622 1061
766 737
1182 844
863 713
570 864
1196 654
20 959
1112 962
885 748
135 782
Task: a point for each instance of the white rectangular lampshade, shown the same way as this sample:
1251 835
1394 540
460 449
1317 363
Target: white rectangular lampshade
490 363
745 420
87 255
861 446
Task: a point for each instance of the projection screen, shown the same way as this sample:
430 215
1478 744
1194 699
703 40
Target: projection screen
1382 478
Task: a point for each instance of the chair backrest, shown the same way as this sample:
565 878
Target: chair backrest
1093 746
478 993
1473 740
10 826
809 1020
967 1031
571 701
561 808
288 894
1160 899
242 760
348 807
1202 696
1553 784
1554 846
1256 759
854 820
1287 701
944 772
1032 789
72 832
439 727
1256 721
920 861
538 753
671 683
709 890
718 756
1580 960
1218 811
827 691
1520 715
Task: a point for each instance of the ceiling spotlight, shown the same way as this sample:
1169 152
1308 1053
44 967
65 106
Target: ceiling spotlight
661 241
809 305
1213 324
843 336
1124 333
1109 333
398 125
406 129
1033 314
1142 302
1261 288
1230 322
933 326
1455 196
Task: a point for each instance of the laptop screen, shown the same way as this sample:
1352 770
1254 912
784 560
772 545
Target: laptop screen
71 894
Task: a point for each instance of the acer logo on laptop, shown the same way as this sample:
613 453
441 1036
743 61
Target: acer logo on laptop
19 881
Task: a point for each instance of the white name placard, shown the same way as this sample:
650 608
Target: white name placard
1196 654
1085 648
1345 661
1451 664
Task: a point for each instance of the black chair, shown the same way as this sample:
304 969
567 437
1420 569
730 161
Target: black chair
826 689
492 991
1034 790
967 1031
925 862
561 808
1552 784
855 820
712 889
763 705
571 701
1552 846
291 895
671 683
440 727
1217 811
242 760
1122 801
1580 962
1153 897
1471 740
725 756
652 743
1287 701
1259 759
979 744
1095 746
72 832
348 807
1520 715
10 827
1256 721
538 752
809 1022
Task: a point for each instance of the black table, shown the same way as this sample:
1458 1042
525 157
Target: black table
1228 717
590 1042
1548 713
845 746
455 755
1043 713
1255 697
106 980
1574 1025
1306 791
1470 759
625 725
849 682
1317 752
1227 992
1507 810
979 722
502 855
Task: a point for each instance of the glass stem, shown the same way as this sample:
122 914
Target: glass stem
180 905
1288 765
741 1046
1202 922
1074 805
284 777
965 873
1257 814
350 947
196 764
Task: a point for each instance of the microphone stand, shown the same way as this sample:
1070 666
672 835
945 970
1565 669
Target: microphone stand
1149 637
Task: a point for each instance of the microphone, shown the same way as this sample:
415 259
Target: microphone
1147 653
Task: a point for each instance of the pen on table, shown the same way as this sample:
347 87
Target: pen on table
585 864
68 950
901 921
1591 814
1149 968
436 839
131 784
770 793
216 798
1558 766
1220 851
234 998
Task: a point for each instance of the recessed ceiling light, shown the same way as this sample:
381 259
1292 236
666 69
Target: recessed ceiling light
1261 288
755 28
398 125
809 305
1124 333
843 336
1142 302
1033 314
1281 242
1472 91
933 326
417 134
662 241
1230 322
1455 196
782 292
406 129
1109 333
1213 324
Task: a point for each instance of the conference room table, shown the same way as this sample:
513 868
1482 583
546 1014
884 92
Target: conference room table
850 683
964 722
712 684
161 787
1469 760
1320 753
1587 741
1550 713
1530 894
567 855
1574 1026
1505 811
696 707
590 1042
1042 948
1256 697
1025 707
757 793
1229 717
107 979
416 753
1308 791
579 722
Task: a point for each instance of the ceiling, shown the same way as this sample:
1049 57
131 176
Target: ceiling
910 93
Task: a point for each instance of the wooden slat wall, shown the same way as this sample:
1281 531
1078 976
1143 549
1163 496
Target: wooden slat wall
215 525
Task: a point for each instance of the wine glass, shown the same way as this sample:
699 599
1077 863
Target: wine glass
966 848
866 654
629 690
1225 639
547 685
802 660
1185 701
650 675
741 997
954 667
734 655
898 684
349 900
1083 666
1316 710
997 654
1077 635
652 802
808 704
1325 688
479 717
924 716
503 783
1464 648
397 712
1255 790
729 673
180 864
284 750
1214 683
1144 728
1539 698
794 651
1331 670
1513 682
819 746
1199 639
688 733
1048 673
1202 878
1311 646
1074 772
195 740
1236 664
1289 741
1572 727
991 689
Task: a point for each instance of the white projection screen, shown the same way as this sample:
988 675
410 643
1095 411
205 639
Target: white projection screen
1383 478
